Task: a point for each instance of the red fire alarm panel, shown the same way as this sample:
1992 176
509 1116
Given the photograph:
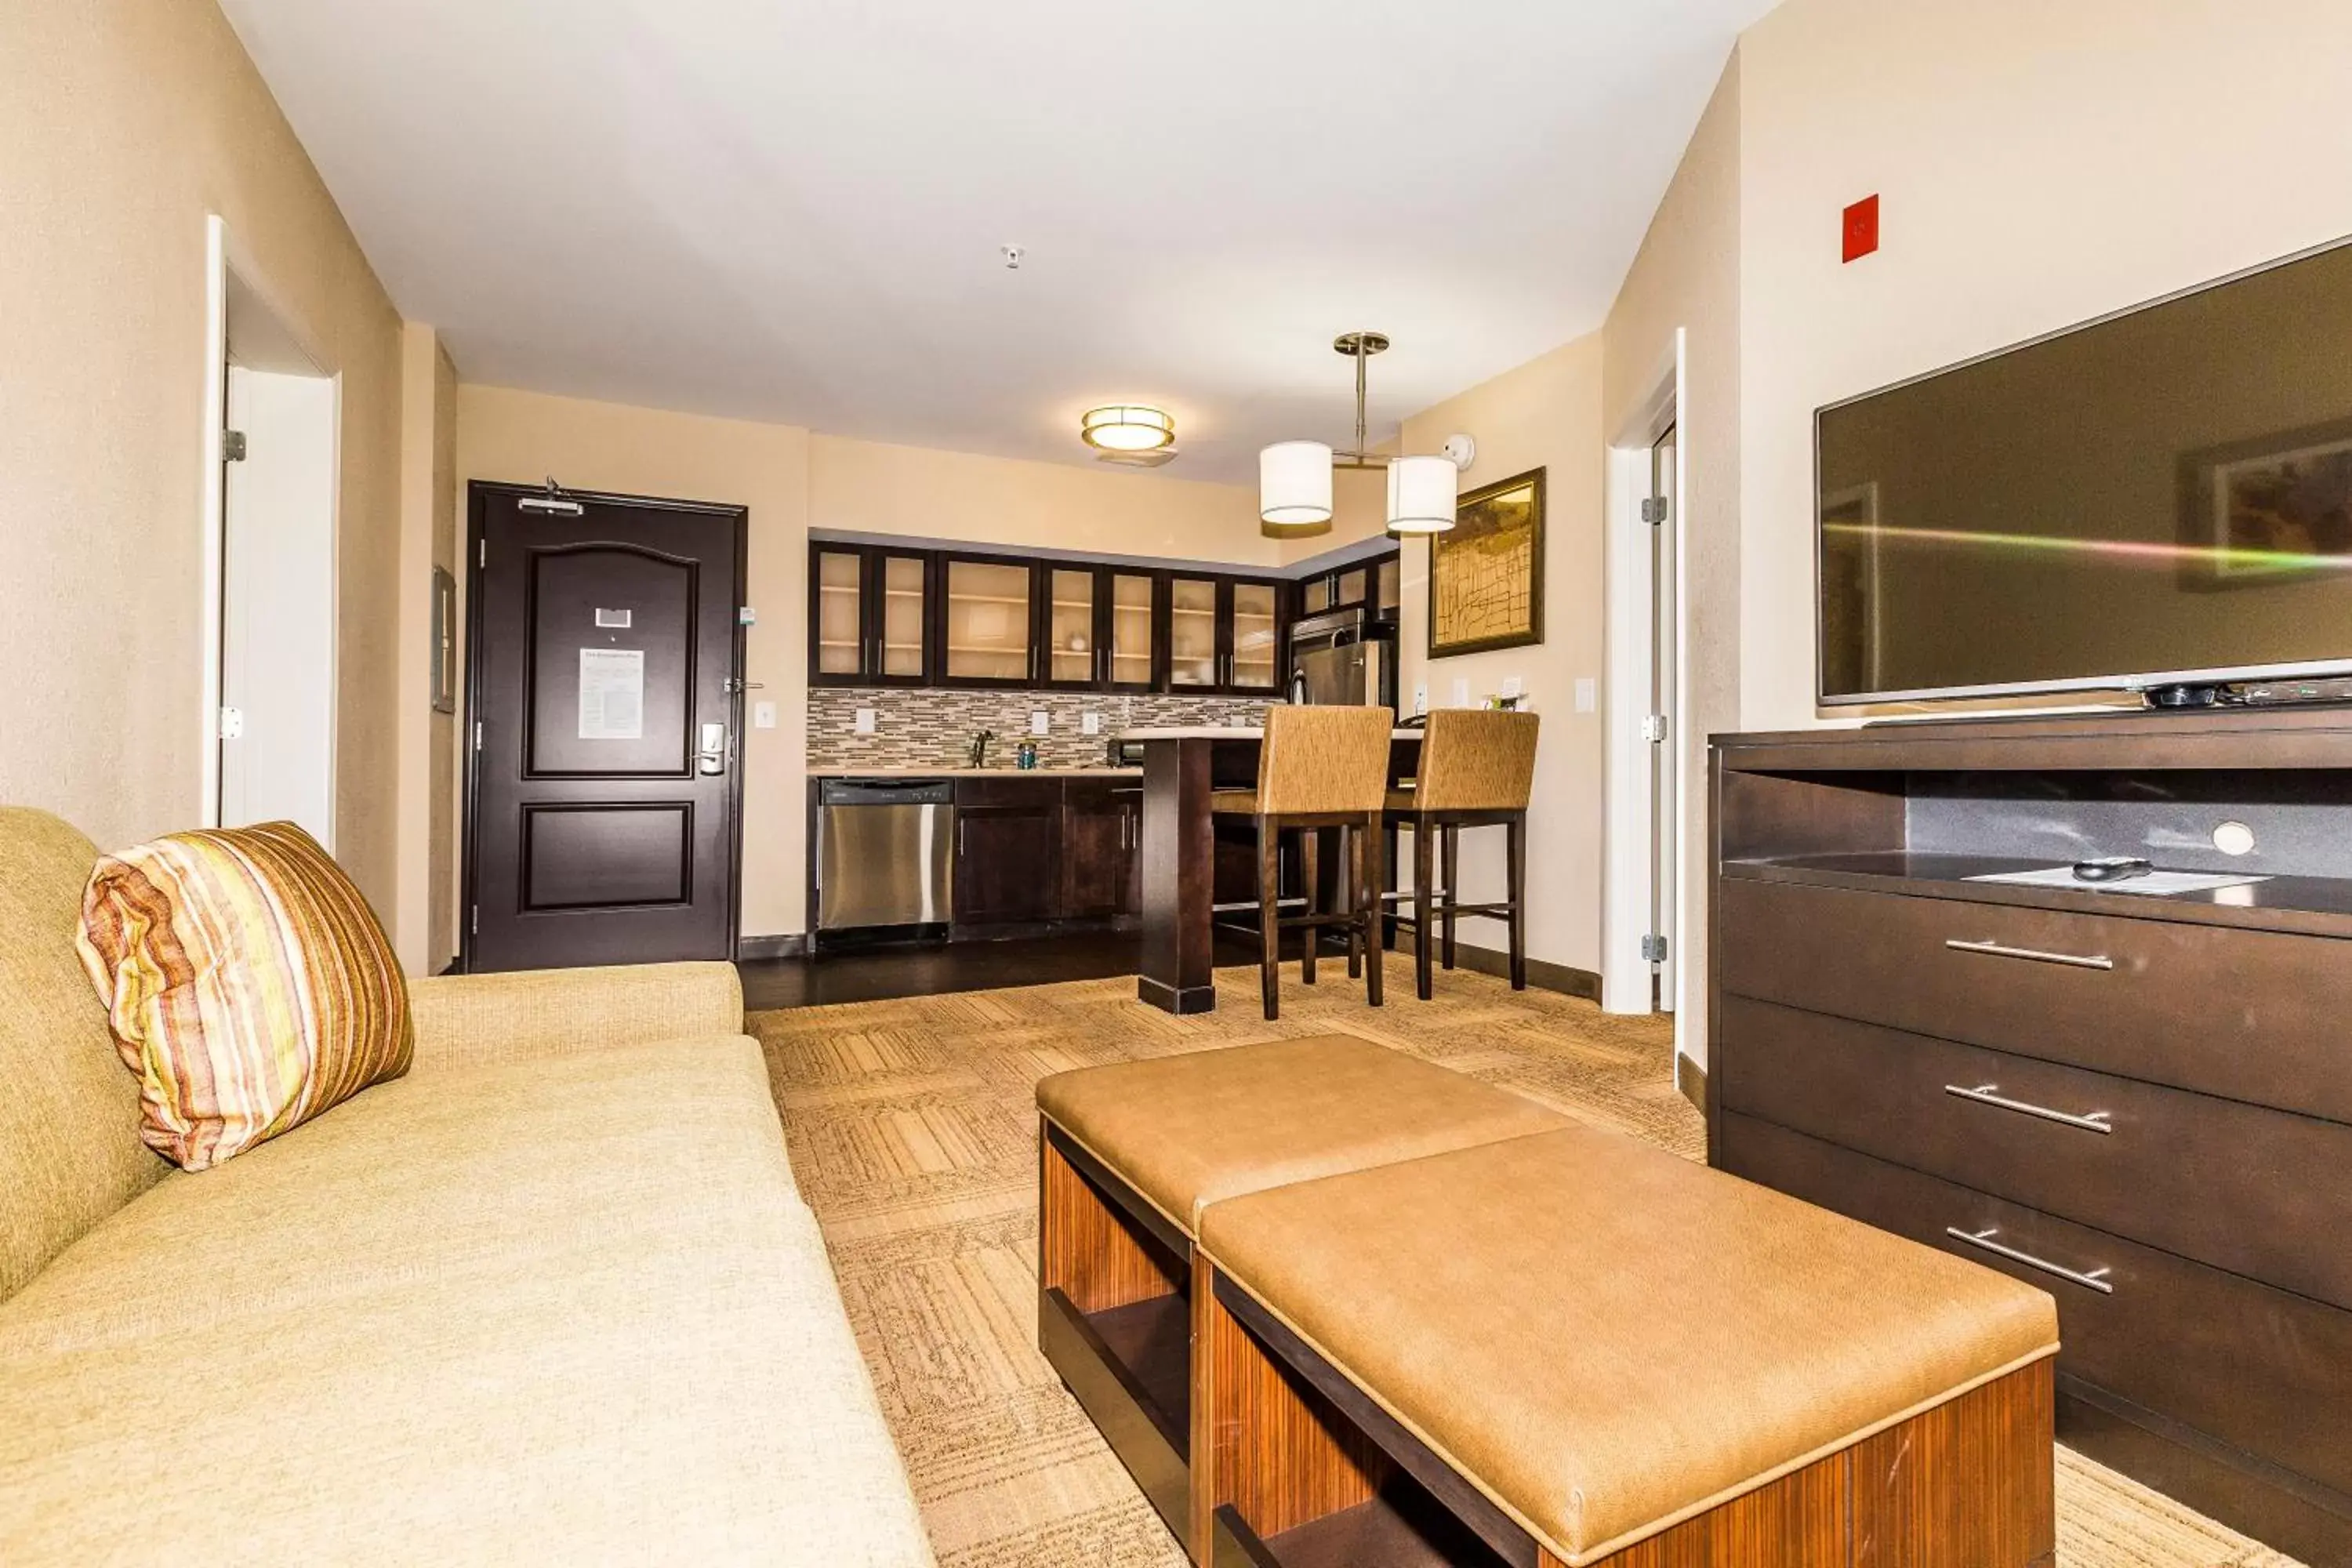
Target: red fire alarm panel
1862 228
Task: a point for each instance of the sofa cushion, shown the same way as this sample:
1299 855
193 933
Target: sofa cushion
520 1313
69 1149
248 981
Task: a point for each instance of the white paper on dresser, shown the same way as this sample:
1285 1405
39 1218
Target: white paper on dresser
2158 884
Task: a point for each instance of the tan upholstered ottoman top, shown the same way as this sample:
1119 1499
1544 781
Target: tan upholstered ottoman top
1607 1340
1186 1131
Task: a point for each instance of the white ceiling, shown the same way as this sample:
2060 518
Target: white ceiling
792 209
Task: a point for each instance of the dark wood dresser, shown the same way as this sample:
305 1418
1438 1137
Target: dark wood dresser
2143 1104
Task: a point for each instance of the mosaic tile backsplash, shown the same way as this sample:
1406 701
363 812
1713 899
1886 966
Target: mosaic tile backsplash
932 729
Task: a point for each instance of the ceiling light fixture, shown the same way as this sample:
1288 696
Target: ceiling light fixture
1126 427
1294 477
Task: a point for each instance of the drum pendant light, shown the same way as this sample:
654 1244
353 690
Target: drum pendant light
1421 495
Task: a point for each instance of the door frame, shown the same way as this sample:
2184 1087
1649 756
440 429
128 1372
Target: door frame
470 731
1626 872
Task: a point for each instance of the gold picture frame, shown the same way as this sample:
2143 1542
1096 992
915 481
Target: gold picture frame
1487 575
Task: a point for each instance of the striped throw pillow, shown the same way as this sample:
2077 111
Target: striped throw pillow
249 984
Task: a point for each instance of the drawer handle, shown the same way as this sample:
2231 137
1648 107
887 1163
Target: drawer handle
2096 1280
1989 1094
2032 955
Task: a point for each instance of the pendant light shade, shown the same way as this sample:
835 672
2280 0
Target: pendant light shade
1421 495
1294 488
1126 427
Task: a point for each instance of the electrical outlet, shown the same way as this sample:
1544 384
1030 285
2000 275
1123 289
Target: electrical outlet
1461 691
1041 722
764 715
1421 699
1089 723
865 721
1588 694
1514 686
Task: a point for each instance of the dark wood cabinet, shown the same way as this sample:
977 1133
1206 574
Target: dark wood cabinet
1101 841
1008 850
1227 636
1037 849
2138 1103
880 615
870 618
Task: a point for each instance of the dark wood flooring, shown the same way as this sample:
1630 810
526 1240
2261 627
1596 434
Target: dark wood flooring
882 973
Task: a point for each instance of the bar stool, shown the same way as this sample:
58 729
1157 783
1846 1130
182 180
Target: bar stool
1477 769
1318 767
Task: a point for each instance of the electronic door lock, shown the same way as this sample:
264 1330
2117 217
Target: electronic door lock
712 758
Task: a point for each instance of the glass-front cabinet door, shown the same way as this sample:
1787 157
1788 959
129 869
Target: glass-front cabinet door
986 620
1255 665
1192 651
1130 637
902 641
1072 656
837 656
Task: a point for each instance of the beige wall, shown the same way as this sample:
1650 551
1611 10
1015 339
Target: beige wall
523 438
2038 166
125 123
868 487
1546 414
426 931
1686 278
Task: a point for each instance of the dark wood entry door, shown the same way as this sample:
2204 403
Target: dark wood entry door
605 814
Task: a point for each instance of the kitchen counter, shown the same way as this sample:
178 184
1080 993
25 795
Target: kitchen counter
1003 771
1222 733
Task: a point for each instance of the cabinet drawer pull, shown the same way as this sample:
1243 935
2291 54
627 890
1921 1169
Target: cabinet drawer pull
2096 1280
1989 1094
2032 955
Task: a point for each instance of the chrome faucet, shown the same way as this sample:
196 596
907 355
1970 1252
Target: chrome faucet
977 756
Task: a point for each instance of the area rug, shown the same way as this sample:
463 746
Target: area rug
913 1134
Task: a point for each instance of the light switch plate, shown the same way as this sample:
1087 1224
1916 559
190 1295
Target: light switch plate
764 715
865 721
1040 722
1461 691
1588 694
1421 699
1089 723
1514 686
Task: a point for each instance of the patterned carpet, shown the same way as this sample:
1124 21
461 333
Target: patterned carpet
913 1133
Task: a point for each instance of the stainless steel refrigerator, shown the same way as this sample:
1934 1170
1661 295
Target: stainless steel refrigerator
1335 659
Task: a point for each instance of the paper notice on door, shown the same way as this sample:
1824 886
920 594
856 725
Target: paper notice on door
612 694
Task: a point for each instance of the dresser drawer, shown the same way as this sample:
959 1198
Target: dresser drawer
2262 1370
2254 1016
2251 1190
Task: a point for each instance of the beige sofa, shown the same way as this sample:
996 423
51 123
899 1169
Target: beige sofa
551 1297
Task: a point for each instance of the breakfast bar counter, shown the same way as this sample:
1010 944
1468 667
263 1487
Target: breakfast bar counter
1182 765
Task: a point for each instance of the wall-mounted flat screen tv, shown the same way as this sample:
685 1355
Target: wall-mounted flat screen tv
2160 498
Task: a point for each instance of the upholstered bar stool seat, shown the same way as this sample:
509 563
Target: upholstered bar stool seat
1318 767
1572 1342
1130 1154
1477 770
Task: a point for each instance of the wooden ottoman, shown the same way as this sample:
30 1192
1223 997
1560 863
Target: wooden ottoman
1130 1154
1573 1349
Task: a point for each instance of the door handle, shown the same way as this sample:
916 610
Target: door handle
712 758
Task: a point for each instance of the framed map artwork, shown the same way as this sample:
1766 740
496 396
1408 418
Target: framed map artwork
1485 576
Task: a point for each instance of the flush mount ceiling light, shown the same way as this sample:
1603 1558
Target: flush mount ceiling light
1294 477
1126 427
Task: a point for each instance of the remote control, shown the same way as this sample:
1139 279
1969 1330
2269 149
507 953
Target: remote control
2111 869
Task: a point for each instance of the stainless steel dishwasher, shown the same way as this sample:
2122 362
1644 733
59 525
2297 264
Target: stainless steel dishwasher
884 853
